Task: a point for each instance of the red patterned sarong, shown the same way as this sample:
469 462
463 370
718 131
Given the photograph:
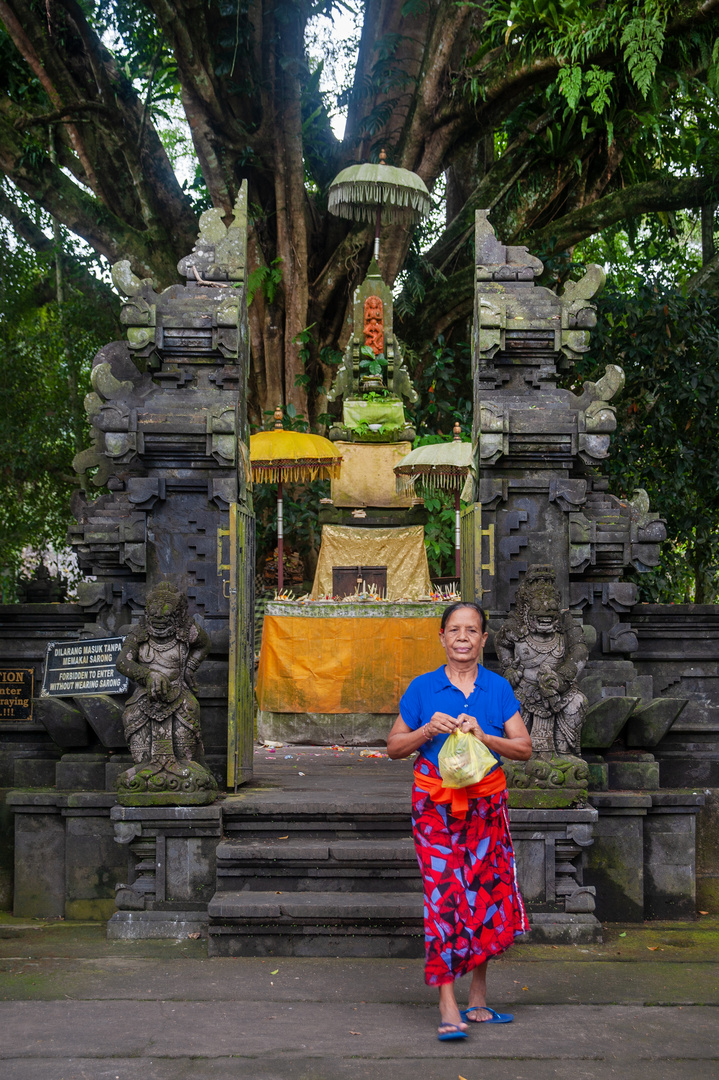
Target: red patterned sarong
472 906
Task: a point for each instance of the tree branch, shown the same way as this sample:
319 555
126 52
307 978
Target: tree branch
644 198
58 115
706 279
47 185
34 237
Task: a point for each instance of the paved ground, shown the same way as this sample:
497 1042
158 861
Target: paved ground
74 1006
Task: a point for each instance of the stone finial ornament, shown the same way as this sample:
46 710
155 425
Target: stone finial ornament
162 718
219 254
542 651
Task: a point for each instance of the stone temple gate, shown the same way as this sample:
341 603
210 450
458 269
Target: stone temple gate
170 441
170 450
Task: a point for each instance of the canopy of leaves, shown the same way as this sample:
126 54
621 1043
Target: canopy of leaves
668 426
564 117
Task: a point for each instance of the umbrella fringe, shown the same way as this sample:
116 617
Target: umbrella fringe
447 481
398 203
404 485
294 472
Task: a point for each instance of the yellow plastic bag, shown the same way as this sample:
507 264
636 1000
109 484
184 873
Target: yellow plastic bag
464 760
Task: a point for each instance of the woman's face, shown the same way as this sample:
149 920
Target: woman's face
462 638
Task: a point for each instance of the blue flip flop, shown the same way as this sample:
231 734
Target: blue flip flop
449 1036
495 1018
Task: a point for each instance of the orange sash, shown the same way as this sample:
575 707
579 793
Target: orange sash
492 784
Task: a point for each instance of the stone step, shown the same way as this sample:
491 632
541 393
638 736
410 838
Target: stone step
389 808
381 850
300 865
316 924
315 829
311 907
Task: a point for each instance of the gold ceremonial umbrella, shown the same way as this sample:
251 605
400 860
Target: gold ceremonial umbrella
278 456
379 193
439 465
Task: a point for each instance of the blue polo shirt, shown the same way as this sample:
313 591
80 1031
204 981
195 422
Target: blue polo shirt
491 702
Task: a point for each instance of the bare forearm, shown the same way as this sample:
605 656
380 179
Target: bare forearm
518 749
401 745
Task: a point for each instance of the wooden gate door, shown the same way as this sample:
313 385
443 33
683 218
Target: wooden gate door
241 696
476 573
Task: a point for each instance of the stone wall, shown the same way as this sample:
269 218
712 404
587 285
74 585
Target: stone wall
679 648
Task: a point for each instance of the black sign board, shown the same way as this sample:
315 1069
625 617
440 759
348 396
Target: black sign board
16 693
73 668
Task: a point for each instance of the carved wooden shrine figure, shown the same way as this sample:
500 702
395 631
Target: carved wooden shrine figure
374 324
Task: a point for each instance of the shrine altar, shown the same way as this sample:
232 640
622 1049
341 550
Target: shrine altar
336 671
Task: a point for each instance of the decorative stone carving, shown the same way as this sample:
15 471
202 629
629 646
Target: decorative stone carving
538 447
162 718
547 773
542 652
169 440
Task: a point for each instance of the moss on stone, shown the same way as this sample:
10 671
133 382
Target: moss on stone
546 798
89 910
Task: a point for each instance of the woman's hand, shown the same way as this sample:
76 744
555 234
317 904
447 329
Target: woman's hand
470 723
441 724
403 740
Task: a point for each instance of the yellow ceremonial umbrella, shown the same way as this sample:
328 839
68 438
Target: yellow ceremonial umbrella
278 456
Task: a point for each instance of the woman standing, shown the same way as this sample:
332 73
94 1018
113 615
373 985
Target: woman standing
472 906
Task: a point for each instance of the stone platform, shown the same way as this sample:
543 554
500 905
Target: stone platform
317 859
314 857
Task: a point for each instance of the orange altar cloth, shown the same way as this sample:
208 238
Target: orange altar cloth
343 663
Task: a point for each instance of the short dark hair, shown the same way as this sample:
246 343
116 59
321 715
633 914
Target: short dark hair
460 604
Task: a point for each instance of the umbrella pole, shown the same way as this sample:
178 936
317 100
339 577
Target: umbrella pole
457 559
376 231
280 540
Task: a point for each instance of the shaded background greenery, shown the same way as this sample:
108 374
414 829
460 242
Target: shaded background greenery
47 350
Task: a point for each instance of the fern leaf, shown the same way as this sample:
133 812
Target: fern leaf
643 43
598 83
569 81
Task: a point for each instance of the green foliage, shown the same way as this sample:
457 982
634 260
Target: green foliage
443 380
369 363
266 278
643 41
304 339
314 360
383 431
439 533
668 424
444 383
569 81
47 354
300 504
598 83
661 248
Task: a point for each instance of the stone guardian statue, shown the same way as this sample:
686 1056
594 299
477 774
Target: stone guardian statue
542 651
162 718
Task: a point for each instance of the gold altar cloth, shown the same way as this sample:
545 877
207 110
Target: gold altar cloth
367 477
401 550
343 665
